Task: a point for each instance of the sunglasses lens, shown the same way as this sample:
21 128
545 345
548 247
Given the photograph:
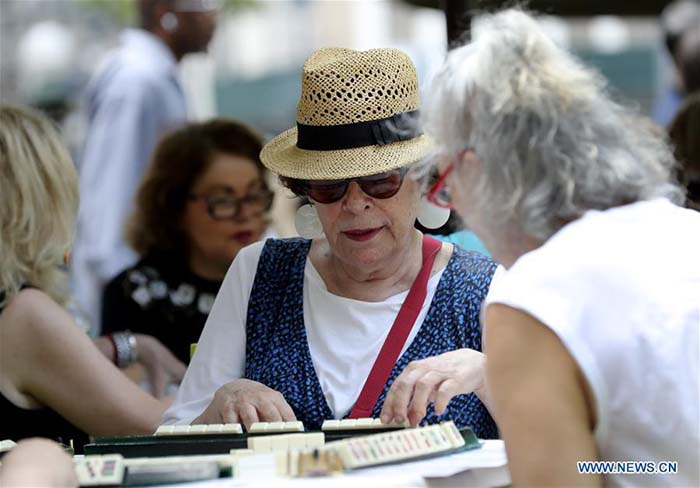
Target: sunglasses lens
384 185
326 191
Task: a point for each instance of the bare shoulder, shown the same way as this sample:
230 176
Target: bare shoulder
30 311
24 324
523 350
518 332
33 323
30 297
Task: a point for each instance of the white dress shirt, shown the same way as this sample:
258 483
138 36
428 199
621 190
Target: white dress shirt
132 100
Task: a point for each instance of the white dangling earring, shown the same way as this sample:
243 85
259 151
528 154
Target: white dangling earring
169 22
431 216
307 223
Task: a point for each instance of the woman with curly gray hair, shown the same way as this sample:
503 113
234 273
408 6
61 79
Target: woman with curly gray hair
592 332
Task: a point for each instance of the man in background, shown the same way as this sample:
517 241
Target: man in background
678 18
134 97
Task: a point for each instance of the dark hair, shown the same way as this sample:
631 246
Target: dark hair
678 17
147 10
689 59
296 186
684 132
179 159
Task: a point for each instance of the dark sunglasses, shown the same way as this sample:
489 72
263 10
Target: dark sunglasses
383 185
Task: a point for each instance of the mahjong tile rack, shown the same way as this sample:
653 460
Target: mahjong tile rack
295 454
206 439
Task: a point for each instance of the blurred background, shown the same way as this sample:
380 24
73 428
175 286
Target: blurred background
63 57
49 49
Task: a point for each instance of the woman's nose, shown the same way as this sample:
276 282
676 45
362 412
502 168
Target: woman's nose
246 213
355 200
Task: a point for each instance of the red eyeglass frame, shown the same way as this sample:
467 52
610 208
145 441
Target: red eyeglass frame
438 185
441 182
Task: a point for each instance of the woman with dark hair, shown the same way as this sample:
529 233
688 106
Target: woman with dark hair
203 200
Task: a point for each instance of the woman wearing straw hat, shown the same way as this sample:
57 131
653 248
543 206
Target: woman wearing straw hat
364 312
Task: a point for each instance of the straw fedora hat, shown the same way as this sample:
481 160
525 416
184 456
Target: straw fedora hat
357 116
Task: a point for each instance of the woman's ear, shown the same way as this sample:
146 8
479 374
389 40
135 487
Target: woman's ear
469 157
469 165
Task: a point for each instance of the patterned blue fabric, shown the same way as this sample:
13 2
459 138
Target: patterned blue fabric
277 351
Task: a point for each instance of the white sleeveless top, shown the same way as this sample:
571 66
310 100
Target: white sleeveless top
621 289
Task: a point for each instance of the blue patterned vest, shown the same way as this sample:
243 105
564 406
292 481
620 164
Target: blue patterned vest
277 351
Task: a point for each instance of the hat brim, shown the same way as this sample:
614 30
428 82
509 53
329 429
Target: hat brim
282 156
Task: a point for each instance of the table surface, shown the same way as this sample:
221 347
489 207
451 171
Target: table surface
482 467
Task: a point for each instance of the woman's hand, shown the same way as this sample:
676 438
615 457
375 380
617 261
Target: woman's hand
245 401
435 379
162 367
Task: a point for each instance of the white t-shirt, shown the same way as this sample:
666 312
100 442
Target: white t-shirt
621 289
343 351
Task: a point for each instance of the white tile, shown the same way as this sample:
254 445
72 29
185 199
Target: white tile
198 429
260 444
232 429
258 427
279 442
180 429
314 439
275 426
364 423
330 425
296 426
164 430
348 423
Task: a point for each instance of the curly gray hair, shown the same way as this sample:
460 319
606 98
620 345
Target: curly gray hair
551 142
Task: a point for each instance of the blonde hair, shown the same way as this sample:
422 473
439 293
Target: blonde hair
38 204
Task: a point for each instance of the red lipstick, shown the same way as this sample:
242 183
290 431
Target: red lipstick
362 234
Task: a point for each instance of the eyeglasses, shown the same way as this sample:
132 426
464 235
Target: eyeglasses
224 207
382 186
439 194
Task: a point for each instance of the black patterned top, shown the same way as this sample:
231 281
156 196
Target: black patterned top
277 351
162 298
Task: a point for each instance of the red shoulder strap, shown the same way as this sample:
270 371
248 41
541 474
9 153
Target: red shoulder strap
397 335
